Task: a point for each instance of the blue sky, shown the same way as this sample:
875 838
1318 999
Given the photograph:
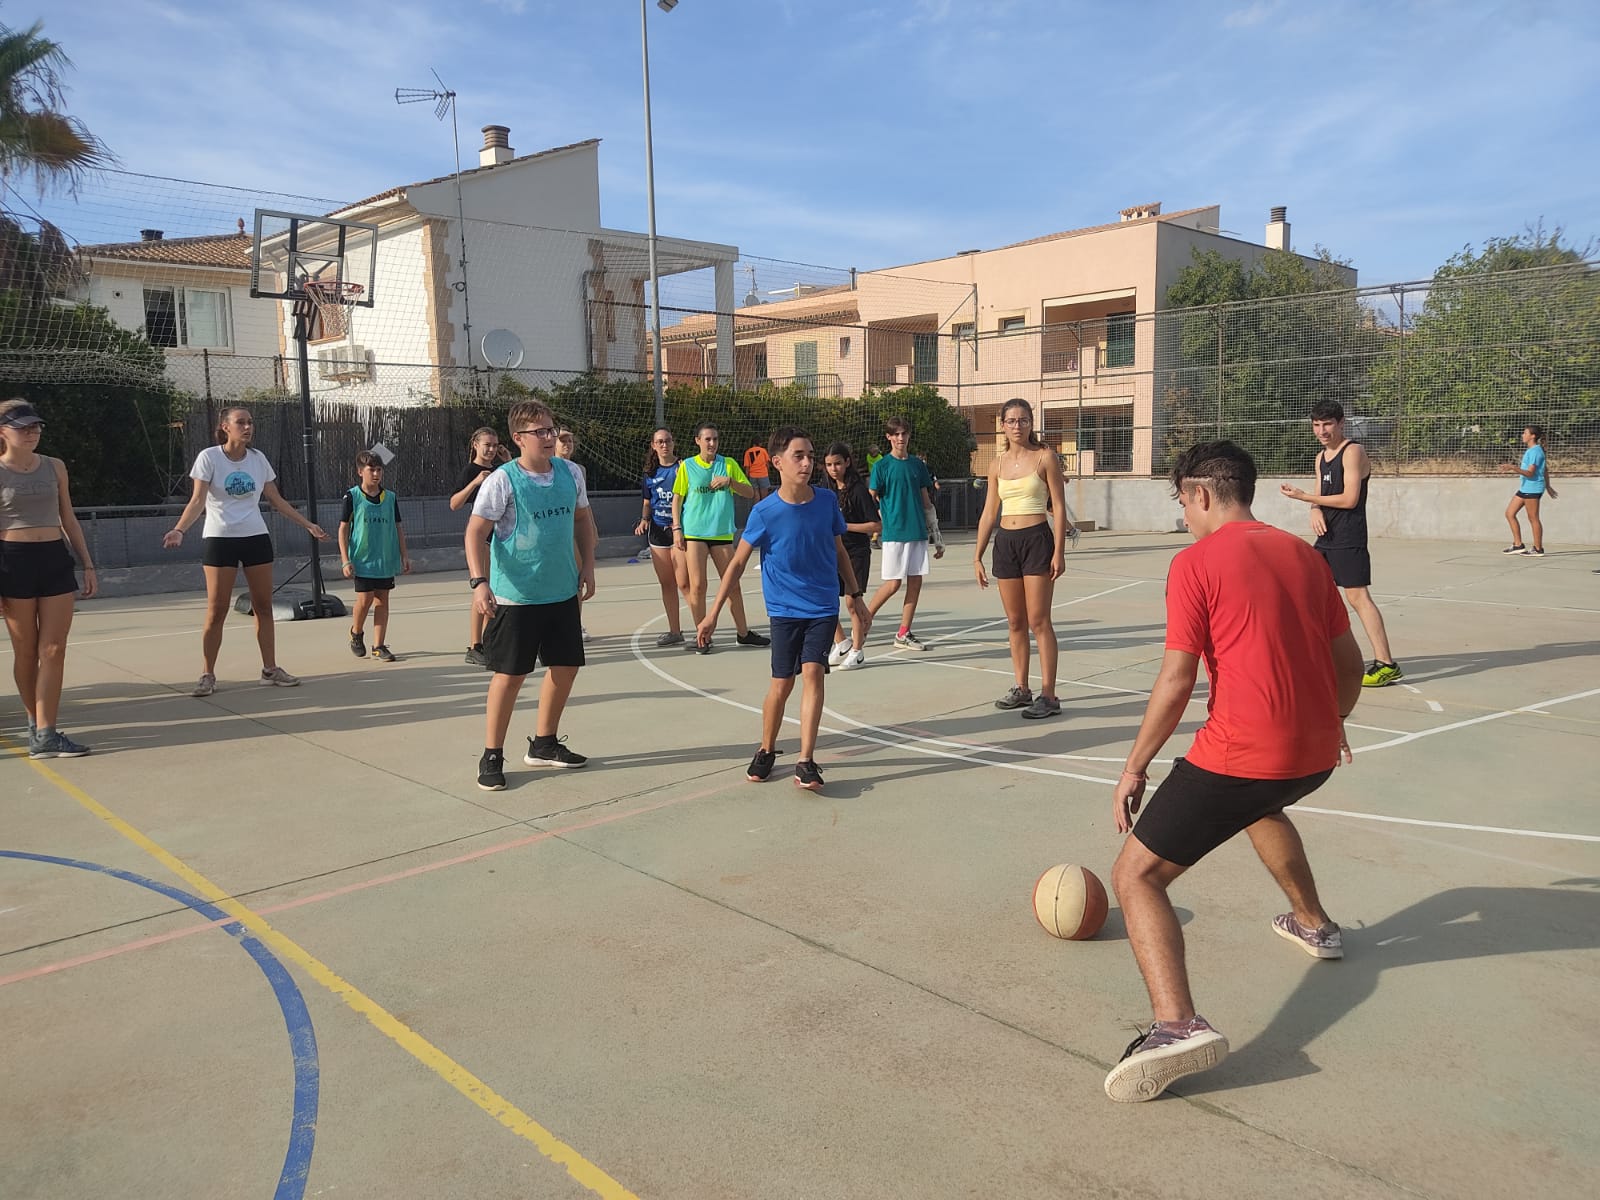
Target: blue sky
860 134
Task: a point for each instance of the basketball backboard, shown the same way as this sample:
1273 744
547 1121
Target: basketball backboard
292 249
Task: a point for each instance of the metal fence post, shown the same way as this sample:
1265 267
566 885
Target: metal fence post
1219 371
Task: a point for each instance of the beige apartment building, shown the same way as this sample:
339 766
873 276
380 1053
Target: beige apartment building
1065 321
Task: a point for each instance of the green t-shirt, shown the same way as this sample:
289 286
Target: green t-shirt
898 483
707 514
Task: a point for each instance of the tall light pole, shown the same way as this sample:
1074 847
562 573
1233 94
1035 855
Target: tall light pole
650 195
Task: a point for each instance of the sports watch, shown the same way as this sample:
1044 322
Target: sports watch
475 580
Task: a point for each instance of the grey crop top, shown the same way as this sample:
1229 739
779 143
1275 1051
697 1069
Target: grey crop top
30 500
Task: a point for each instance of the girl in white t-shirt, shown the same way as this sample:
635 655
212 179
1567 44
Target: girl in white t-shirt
230 481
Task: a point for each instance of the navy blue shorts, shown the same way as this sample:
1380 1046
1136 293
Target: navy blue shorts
800 640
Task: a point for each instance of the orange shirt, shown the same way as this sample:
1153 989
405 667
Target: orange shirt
755 462
1260 607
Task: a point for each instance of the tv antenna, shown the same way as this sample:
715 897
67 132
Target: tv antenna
444 105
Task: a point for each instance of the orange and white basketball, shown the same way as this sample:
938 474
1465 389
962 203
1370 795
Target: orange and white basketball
1070 902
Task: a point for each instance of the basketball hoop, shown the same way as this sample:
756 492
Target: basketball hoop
331 300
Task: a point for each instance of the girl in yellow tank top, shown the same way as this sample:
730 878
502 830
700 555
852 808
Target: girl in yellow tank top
1024 486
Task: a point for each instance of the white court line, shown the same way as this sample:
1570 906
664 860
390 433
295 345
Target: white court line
905 742
1435 706
960 633
1562 608
1454 725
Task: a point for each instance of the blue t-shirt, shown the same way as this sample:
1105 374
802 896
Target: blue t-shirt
658 490
898 483
799 557
1533 460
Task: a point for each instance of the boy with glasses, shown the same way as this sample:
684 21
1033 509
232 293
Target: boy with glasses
527 580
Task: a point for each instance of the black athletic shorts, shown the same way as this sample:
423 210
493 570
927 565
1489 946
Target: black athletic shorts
1019 552
367 583
1352 565
861 563
661 535
521 636
1194 810
251 551
1530 495
36 570
800 640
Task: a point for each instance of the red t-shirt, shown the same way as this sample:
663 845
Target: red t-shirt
1260 606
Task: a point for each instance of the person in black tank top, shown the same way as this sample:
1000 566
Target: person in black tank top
1339 519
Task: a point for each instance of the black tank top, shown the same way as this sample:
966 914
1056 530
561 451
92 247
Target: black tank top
1347 527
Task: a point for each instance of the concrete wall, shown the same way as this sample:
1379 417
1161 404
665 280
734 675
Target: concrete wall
1447 509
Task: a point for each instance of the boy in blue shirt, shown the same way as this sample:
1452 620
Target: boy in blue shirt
1533 488
798 530
373 547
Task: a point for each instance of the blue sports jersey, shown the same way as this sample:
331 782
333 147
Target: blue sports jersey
799 557
658 490
1533 460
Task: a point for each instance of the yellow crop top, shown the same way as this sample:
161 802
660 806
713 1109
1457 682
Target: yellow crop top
1024 496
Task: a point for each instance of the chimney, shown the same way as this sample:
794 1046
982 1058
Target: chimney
496 146
1139 212
1278 228
149 235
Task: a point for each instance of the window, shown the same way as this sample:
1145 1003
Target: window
1109 433
1119 340
759 361
924 358
964 331
805 365
844 347
1013 324
194 317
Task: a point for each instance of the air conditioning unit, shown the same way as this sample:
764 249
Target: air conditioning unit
343 362
904 373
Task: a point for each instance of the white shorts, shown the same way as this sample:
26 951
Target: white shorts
902 560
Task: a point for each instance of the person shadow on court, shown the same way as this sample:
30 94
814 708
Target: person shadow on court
1454 925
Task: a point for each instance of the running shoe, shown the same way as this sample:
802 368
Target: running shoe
492 771
52 743
584 631
853 661
1155 1060
358 643
1519 548
694 646
1381 674
761 766
1017 697
552 754
1535 552
474 657
752 638
836 655
278 677
382 653
1324 942
1043 706
669 639
807 776
909 641
207 685
1074 536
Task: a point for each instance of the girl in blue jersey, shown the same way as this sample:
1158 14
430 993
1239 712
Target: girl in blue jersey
373 547
672 571
703 526
1533 488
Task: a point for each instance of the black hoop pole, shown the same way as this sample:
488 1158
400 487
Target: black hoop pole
302 334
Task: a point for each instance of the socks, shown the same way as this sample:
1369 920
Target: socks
541 740
904 629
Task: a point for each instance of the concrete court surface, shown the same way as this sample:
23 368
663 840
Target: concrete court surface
653 978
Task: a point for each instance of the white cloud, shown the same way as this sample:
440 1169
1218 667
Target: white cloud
1246 18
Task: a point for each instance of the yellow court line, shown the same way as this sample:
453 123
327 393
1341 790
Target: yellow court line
413 1043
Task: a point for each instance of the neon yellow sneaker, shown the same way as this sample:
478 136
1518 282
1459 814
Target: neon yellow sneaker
1382 674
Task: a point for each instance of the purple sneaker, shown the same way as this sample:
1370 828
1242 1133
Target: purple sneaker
1155 1060
1325 942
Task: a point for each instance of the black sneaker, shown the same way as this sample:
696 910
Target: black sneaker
552 754
358 643
1043 706
807 776
752 638
475 658
492 771
761 766
382 653
1017 697
669 639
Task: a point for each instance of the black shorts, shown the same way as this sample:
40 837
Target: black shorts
661 535
36 570
861 563
1352 565
1530 496
800 640
368 583
253 551
1194 810
1019 552
521 636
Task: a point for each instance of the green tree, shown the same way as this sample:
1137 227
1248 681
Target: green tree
36 138
1257 347
1506 336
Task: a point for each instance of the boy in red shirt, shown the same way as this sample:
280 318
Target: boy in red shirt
1260 607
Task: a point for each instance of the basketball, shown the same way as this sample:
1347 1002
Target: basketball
1070 902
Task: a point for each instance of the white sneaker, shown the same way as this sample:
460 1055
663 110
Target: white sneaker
585 632
852 660
836 655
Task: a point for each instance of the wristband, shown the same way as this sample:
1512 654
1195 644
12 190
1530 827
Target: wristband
1139 775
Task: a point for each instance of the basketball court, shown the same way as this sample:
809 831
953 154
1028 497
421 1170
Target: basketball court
277 942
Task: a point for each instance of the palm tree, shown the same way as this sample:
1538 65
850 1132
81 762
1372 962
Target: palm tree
36 138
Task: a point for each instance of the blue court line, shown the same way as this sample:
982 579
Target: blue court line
302 1038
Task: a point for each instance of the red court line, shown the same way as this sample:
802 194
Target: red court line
349 888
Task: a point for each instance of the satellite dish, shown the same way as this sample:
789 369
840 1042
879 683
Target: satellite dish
502 348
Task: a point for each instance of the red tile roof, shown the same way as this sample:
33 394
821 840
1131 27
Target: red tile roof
225 250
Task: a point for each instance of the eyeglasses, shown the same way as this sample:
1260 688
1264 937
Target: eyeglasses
1017 421
544 431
